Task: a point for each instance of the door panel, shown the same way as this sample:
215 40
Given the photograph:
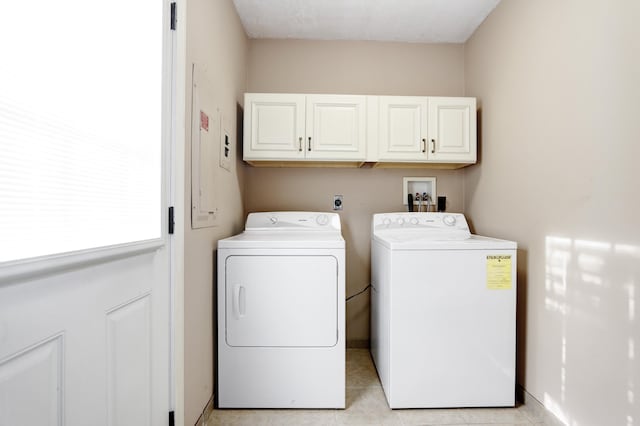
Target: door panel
281 301
336 127
31 384
403 126
128 362
275 126
452 129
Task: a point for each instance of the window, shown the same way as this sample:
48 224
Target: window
80 125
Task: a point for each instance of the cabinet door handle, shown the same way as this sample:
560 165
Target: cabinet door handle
433 146
309 143
424 145
300 144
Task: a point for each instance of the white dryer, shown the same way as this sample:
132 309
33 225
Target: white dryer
281 313
443 312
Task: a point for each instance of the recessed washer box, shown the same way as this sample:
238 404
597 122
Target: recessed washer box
420 185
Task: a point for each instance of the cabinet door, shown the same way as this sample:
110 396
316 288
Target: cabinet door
403 128
336 127
274 126
452 130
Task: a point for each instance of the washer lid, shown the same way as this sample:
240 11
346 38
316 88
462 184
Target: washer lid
414 242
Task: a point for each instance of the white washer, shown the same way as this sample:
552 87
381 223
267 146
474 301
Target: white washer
443 312
281 307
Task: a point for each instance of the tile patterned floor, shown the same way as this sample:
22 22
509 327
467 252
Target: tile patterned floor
367 406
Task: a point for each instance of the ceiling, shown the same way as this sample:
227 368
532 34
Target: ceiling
416 21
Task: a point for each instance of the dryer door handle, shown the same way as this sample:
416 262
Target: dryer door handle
240 301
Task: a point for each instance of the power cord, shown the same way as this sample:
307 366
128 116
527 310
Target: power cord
358 293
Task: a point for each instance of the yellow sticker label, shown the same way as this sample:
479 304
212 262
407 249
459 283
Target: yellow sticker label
499 272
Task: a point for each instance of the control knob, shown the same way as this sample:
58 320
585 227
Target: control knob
322 219
449 220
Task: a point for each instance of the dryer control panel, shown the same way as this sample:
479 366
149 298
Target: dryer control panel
307 221
436 226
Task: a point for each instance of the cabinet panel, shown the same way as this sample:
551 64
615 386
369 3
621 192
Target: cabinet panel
452 131
336 127
274 126
403 126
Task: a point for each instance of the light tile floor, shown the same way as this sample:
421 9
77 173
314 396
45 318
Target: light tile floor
366 405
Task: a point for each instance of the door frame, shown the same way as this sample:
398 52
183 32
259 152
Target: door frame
177 198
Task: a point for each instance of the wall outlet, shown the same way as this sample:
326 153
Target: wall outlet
337 202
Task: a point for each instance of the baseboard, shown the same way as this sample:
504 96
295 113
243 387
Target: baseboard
203 420
358 344
536 411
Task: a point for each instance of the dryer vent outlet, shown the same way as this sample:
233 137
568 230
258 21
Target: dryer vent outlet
337 202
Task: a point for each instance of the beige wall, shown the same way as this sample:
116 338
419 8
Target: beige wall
351 68
558 84
361 68
217 43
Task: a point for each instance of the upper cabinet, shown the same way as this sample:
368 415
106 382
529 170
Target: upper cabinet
307 128
336 127
427 129
452 130
403 128
390 131
274 126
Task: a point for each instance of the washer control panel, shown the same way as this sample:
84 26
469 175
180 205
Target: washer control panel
444 225
309 221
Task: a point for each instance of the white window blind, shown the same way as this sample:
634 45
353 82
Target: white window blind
80 125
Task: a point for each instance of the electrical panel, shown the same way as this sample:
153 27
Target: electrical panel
205 139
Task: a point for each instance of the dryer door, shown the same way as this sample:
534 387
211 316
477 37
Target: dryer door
281 301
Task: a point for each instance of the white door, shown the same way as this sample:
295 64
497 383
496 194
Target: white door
336 127
274 126
452 129
403 128
84 336
281 301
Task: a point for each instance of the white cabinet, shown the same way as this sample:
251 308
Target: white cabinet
289 127
390 131
274 126
403 128
427 129
336 127
452 130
